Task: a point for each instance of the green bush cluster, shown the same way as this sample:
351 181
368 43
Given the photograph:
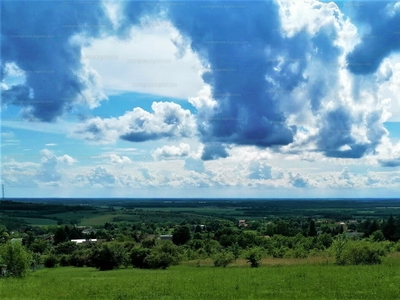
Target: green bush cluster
361 252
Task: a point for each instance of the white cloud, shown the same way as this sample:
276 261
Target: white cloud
137 64
169 120
171 152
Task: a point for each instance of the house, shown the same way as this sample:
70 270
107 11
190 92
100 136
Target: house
89 231
202 227
243 223
83 241
49 238
166 237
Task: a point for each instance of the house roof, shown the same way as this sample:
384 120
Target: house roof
80 241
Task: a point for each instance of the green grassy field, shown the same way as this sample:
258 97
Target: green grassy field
279 281
39 221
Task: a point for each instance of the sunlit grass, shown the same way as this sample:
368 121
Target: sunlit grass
276 279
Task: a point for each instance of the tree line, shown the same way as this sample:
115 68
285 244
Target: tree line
138 245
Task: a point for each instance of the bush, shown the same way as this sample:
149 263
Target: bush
138 256
159 260
16 258
79 258
253 256
65 260
50 261
223 259
361 253
106 257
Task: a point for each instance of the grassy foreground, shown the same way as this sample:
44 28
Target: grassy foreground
282 281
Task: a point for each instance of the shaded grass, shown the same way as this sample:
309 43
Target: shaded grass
287 280
39 221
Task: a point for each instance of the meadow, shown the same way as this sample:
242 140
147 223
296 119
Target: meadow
312 278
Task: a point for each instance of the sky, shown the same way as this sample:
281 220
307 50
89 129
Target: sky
200 99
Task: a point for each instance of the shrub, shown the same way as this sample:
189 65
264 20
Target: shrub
223 259
106 257
138 256
50 261
16 258
253 256
159 260
65 260
361 253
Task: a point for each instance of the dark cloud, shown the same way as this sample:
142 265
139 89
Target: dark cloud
390 162
383 38
335 138
213 151
36 37
233 37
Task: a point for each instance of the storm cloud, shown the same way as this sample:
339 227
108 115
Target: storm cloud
383 38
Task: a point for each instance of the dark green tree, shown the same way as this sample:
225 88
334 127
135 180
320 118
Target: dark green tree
389 229
181 235
312 231
105 258
60 236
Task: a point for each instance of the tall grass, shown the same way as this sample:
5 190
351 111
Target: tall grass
285 280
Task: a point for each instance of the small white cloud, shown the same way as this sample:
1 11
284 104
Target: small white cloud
171 152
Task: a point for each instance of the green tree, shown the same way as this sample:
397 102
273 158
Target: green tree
138 255
377 236
389 229
60 236
105 258
312 231
16 258
253 256
39 246
181 235
163 255
50 261
223 258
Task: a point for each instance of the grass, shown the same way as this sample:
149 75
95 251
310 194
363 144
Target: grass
39 221
312 280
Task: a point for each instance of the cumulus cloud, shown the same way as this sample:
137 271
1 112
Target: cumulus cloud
196 165
168 120
382 38
171 152
55 76
259 170
298 180
116 159
97 177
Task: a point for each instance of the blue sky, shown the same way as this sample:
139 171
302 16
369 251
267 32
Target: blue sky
200 99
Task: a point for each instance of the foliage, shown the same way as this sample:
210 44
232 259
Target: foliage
223 258
163 255
106 257
253 256
16 258
50 261
138 256
181 235
361 253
